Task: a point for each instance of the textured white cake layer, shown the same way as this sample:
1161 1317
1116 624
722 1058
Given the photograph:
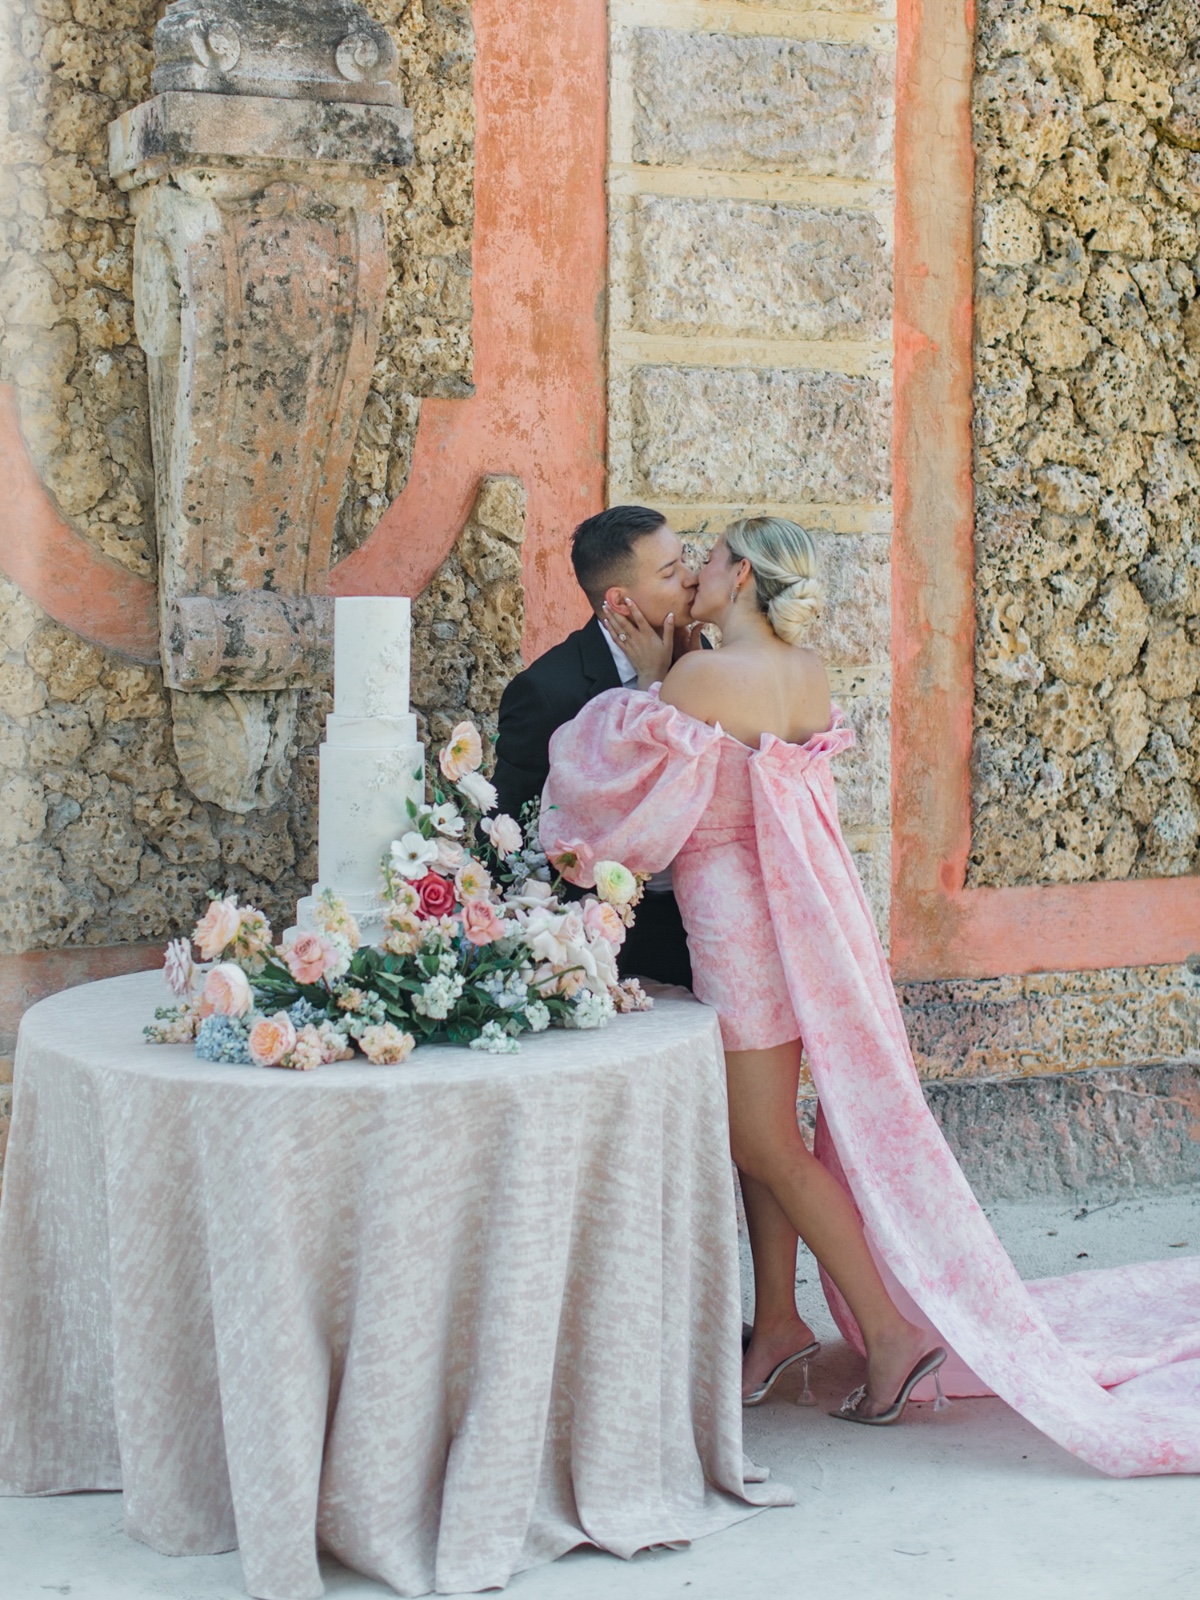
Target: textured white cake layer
370 732
371 642
362 809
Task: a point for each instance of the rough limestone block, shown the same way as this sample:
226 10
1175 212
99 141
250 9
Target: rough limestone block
735 267
1093 1135
744 104
855 626
864 772
702 433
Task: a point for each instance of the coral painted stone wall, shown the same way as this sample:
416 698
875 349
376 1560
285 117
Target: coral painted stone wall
1087 328
102 843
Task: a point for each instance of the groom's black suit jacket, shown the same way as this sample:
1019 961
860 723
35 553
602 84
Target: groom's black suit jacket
538 701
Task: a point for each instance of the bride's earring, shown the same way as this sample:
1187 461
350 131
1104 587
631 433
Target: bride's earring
733 594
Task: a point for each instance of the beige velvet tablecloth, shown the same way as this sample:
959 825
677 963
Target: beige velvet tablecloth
446 1319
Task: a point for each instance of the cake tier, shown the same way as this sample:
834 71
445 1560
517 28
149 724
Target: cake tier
363 795
371 733
371 638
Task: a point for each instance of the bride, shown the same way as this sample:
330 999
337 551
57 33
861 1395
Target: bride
724 772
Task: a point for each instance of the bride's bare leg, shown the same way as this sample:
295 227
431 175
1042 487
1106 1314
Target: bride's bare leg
767 1145
778 1329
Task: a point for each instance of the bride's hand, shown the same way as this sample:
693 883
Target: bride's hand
651 654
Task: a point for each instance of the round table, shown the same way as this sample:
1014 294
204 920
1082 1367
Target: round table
445 1319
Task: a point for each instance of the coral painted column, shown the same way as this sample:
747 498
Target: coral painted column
539 261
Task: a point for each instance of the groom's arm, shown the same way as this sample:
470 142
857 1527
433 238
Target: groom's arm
526 724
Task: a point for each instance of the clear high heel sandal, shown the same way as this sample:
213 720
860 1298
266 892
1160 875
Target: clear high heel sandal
806 1397
927 1367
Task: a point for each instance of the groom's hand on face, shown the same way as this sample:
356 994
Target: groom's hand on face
650 652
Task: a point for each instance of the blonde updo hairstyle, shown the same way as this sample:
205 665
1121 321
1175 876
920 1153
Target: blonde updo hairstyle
783 558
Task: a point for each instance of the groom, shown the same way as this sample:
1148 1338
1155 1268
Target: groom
624 558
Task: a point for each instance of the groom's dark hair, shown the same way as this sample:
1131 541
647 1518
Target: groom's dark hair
602 546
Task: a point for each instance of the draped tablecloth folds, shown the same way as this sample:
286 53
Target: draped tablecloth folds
446 1319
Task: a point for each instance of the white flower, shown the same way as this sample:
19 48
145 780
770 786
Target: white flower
450 856
412 856
533 894
436 998
543 935
495 1041
605 958
538 1016
478 791
504 834
446 819
590 1010
178 968
615 883
344 947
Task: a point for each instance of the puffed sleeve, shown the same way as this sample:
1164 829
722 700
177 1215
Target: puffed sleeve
629 780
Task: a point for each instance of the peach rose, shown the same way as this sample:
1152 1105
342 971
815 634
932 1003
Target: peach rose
602 922
307 957
272 1038
481 925
227 992
462 752
217 928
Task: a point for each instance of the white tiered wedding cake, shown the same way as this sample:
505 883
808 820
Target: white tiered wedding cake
371 762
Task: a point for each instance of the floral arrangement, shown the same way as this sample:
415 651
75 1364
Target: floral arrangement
479 946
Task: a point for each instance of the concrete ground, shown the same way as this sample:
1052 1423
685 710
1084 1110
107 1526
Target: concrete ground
971 1504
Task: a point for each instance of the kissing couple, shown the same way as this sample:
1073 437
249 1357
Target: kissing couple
711 770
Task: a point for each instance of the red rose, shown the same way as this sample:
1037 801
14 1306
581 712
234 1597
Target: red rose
437 895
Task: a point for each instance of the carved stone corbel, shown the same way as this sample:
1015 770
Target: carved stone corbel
260 268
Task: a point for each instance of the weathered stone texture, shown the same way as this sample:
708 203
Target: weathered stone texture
1087 760
467 624
768 271
855 626
747 103
66 247
103 844
1052 1021
1091 1136
738 434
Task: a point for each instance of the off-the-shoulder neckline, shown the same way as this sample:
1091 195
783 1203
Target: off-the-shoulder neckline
836 714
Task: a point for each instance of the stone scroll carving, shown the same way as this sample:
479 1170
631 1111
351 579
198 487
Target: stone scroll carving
257 175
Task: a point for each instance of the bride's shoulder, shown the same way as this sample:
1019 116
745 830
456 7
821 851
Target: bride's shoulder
695 684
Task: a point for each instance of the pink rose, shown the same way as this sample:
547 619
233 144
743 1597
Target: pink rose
217 928
602 922
480 922
437 896
308 956
226 992
271 1039
462 752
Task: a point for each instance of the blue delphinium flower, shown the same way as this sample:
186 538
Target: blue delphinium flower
303 1012
223 1039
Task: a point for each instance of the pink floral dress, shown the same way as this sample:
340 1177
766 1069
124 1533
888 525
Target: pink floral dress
783 946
